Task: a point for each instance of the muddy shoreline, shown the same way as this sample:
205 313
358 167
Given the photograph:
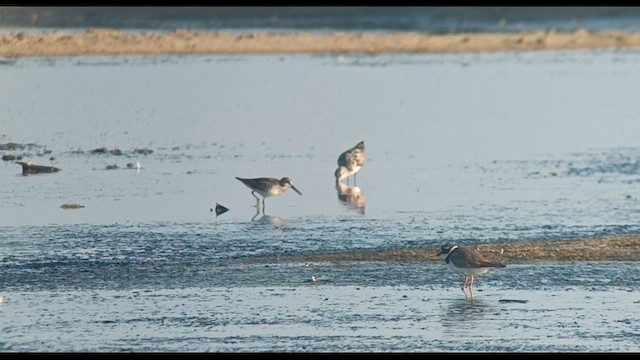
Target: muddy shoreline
623 248
185 42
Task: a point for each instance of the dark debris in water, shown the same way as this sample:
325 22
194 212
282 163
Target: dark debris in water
220 209
73 206
143 151
17 146
513 301
11 157
31 168
114 151
104 150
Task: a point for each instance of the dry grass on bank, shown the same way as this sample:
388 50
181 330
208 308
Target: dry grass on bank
115 42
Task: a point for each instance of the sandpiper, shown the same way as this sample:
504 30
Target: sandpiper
468 262
268 187
350 162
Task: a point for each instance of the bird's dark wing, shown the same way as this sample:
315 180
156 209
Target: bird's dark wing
491 264
469 258
344 158
259 183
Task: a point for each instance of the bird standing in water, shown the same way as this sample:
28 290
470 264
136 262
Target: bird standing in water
350 162
468 262
268 187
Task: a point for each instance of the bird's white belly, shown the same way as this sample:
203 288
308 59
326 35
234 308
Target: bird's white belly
354 169
273 191
468 271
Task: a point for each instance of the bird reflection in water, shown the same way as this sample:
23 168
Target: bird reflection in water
460 314
268 219
351 196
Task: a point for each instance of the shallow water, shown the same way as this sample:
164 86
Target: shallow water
466 148
429 19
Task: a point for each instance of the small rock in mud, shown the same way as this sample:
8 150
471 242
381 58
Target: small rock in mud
16 146
73 206
104 150
143 151
220 209
9 146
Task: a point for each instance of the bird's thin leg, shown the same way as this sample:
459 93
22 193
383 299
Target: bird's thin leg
473 279
354 179
466 278
263 205
257 199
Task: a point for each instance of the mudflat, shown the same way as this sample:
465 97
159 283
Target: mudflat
622 248
115 42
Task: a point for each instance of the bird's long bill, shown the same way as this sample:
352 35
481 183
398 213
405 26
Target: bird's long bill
296 190
439 253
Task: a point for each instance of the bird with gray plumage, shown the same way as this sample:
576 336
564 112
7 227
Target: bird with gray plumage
468 262
350 162
268 187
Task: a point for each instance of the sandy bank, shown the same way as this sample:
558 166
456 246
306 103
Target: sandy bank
114 42
605 249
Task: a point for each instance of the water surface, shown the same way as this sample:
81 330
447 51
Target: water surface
466 148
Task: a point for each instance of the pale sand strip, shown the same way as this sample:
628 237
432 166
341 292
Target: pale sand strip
622 248
114 42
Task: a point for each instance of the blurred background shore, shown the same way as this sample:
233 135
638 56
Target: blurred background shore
72 31
424 19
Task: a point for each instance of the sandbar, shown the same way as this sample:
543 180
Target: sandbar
111 42
615 248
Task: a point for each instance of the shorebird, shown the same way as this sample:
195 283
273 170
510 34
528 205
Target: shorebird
268 187
468 262
350 162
